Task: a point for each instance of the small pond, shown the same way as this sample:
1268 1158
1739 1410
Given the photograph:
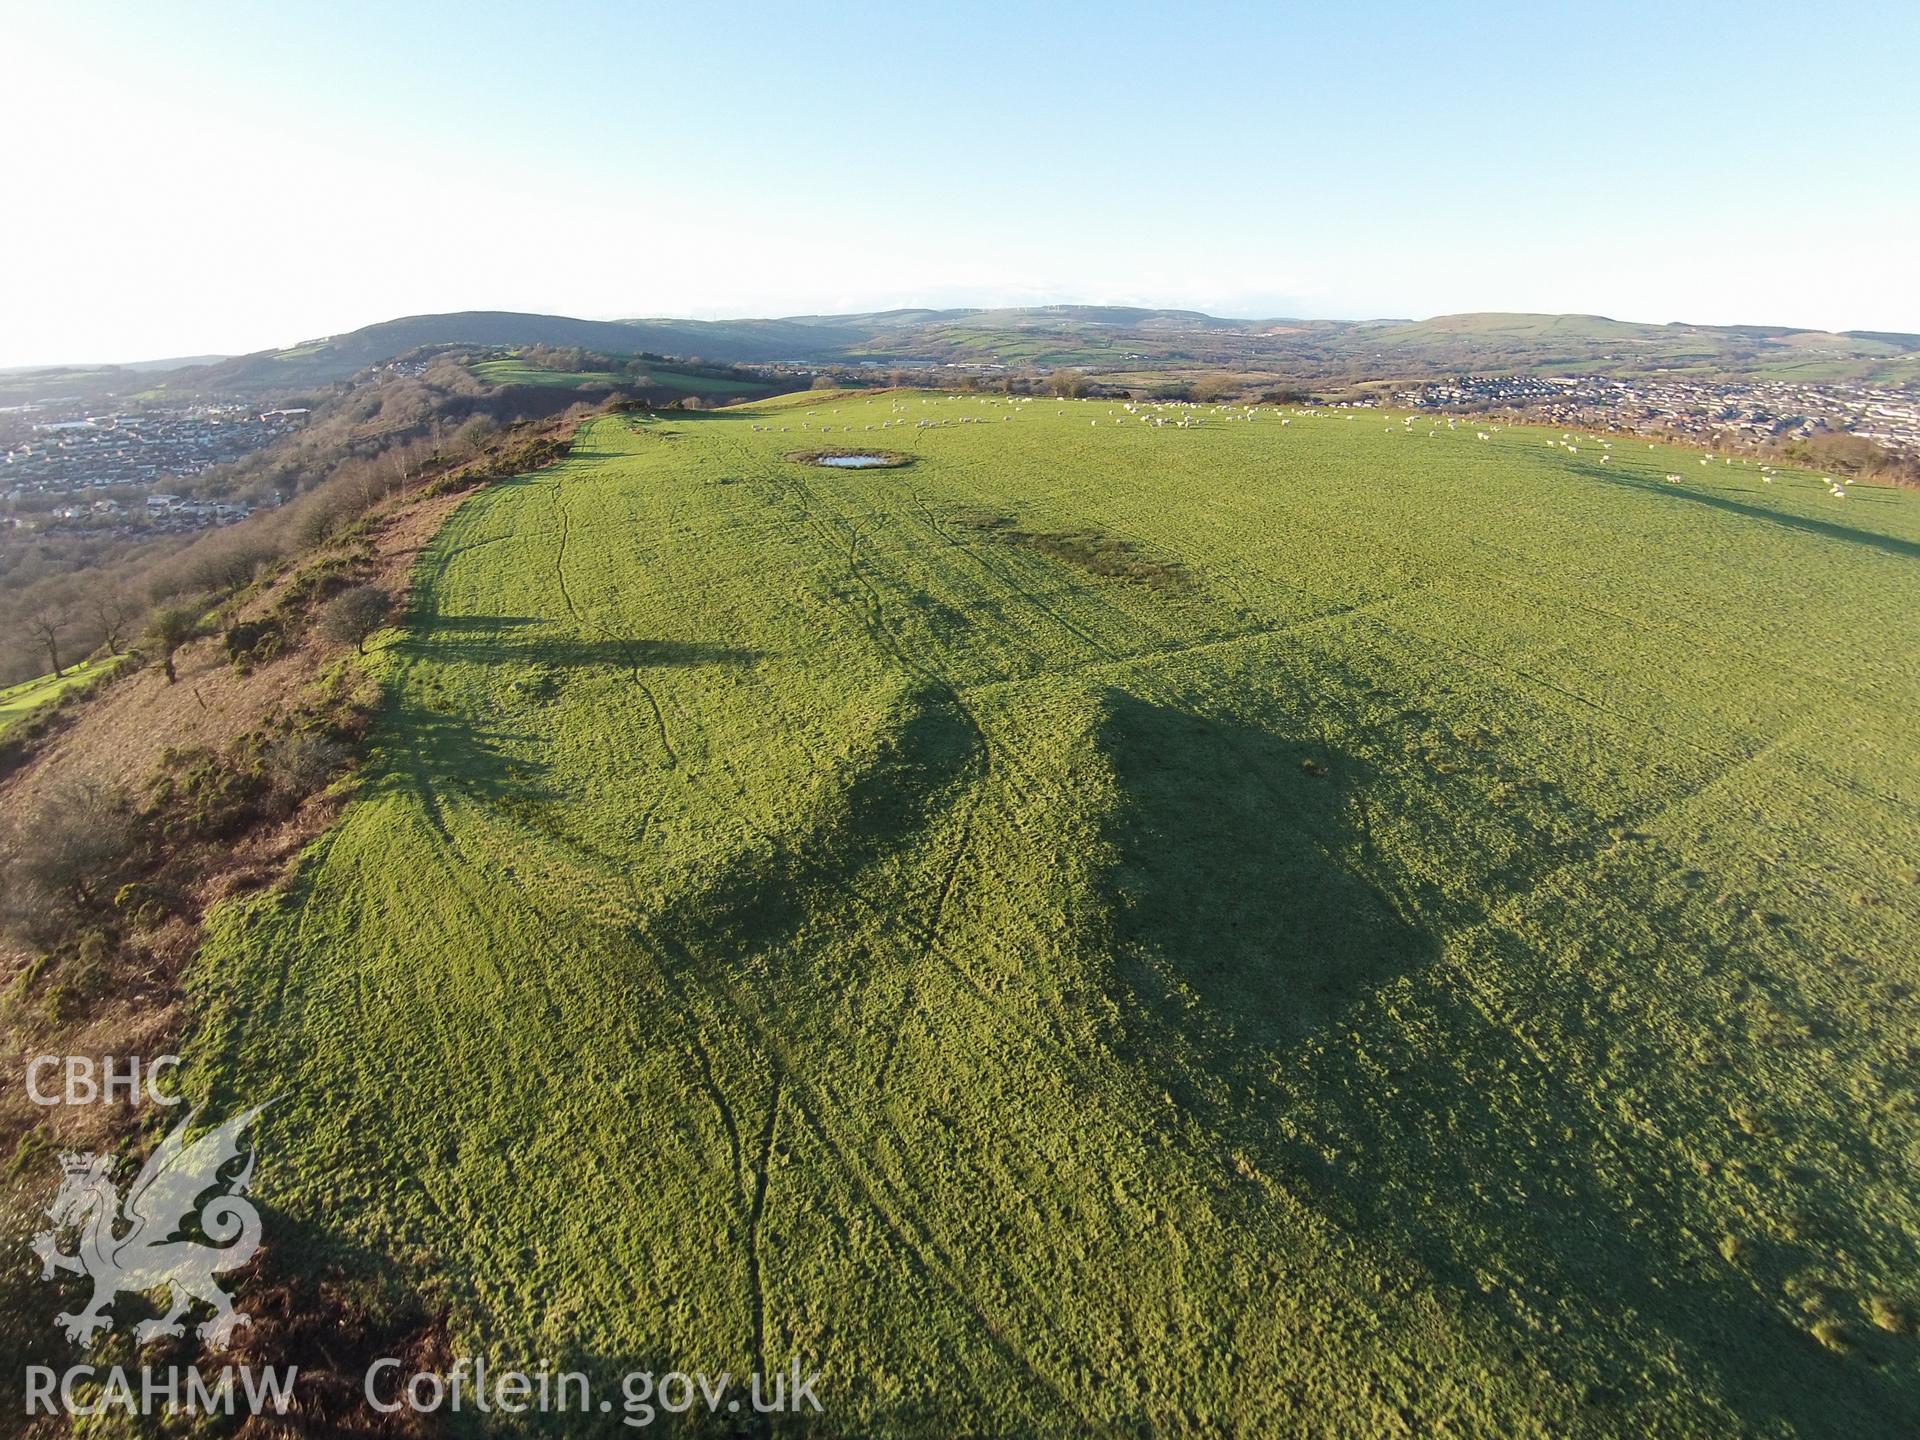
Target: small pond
851 459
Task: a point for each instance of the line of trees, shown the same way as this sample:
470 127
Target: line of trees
65 597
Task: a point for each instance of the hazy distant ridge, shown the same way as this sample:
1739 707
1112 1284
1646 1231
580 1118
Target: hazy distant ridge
1110 337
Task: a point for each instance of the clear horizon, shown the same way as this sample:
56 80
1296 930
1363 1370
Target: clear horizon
80 361
222 180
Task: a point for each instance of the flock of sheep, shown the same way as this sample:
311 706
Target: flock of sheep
1188 415
900 411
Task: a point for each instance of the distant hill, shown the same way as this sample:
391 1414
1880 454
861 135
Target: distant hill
180 362
23 383
1099 337
1498 341
335 357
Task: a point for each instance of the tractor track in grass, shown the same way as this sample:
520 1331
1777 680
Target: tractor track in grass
920 1245
625 646
896 1209
929 938
983 753
1186 647
662 729
930 929
840 935
756 1212
845 537
1005 577
716 1094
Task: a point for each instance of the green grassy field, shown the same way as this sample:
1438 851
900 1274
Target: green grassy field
514 372
1261 928
19 701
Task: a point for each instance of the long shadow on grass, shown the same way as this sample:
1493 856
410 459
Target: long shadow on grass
1231 889
1830 529
429 753
1280 997
530 640
779 885
611 652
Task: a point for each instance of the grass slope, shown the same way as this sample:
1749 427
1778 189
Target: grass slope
19 701
336 357
515 372
1433 943
1079 335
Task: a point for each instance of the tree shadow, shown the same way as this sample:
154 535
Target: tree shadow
615 652
1828 529
522 640
1279 995
430 753
435 622
1235 884
773 889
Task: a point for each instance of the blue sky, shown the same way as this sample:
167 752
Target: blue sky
223 177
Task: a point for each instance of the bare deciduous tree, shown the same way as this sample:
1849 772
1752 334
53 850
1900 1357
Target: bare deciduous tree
113 613
62 860
45 625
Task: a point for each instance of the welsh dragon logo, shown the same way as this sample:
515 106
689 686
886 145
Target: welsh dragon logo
135 1243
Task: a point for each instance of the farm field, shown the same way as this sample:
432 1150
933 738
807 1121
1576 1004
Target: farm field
514 372
1323 927
19 701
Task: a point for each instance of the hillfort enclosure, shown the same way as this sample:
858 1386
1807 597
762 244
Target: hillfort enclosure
1204 729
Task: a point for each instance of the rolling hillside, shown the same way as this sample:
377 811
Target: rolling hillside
1056 335
337 357
1300 924
655 378
1593 342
